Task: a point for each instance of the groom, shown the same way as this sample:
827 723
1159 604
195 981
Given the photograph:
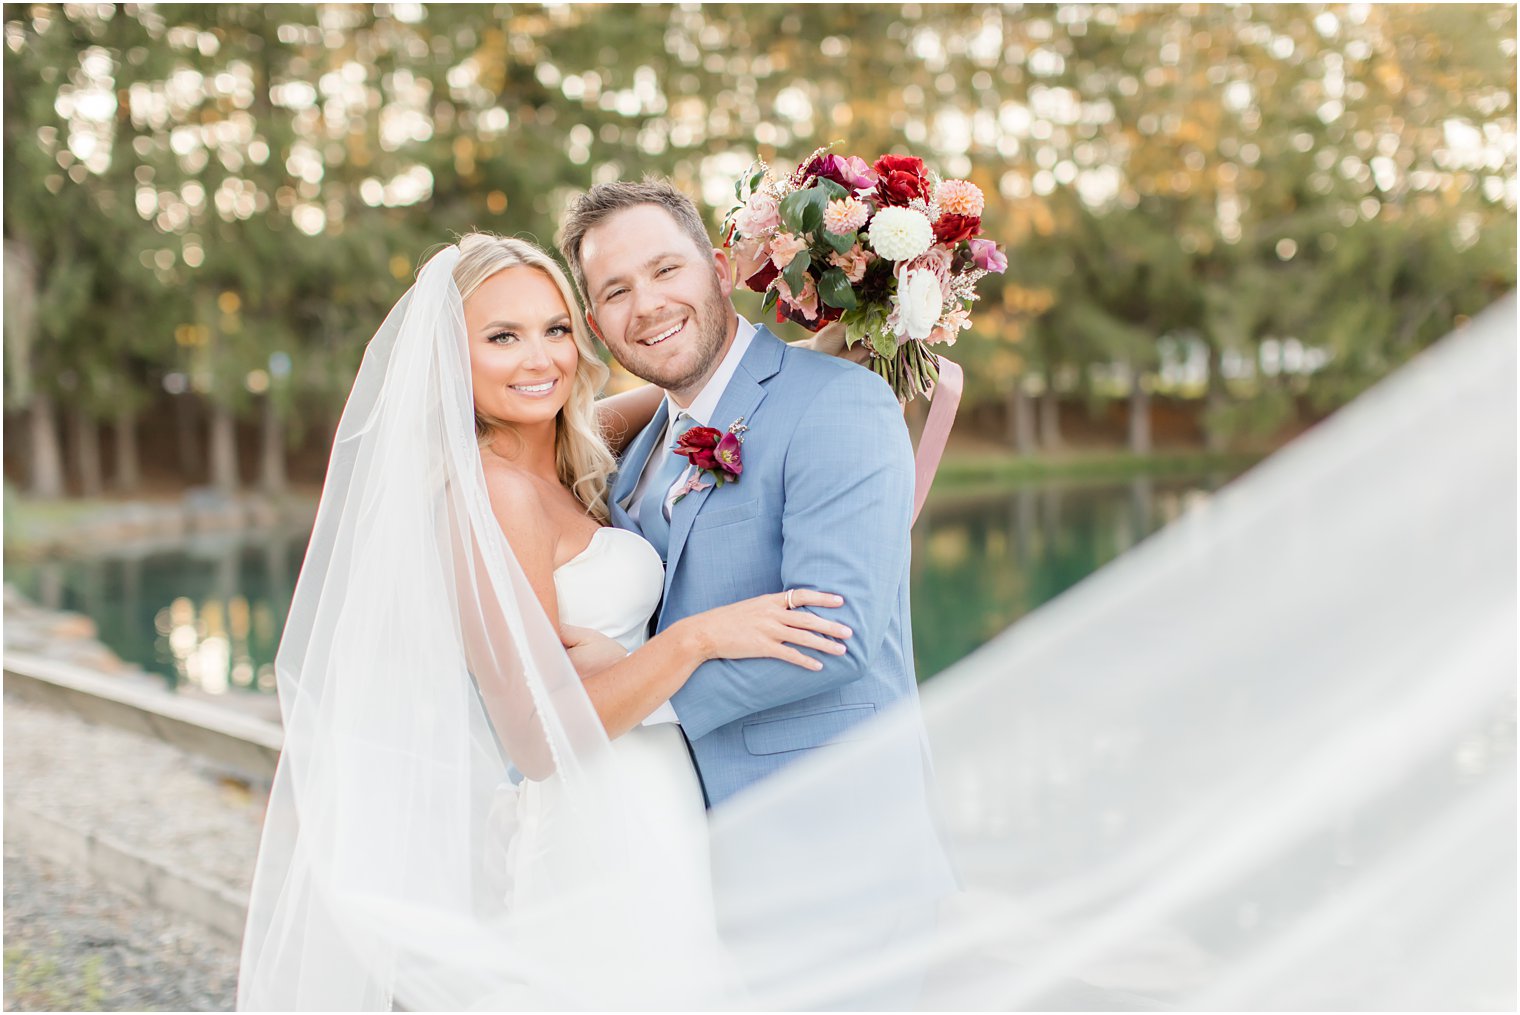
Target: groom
823 501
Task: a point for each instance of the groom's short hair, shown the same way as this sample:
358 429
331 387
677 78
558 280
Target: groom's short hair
595 205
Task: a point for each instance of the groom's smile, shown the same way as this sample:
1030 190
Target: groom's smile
659 302
663 335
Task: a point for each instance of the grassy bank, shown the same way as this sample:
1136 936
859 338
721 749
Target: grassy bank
978 468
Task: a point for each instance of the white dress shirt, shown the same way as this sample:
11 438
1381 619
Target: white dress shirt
701 409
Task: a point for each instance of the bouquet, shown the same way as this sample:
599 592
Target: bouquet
889 250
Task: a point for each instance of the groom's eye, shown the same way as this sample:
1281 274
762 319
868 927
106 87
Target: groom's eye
667 269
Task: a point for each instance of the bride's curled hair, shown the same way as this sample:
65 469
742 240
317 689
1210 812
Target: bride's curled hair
582 459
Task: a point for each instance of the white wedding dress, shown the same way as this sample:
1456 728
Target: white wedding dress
613 586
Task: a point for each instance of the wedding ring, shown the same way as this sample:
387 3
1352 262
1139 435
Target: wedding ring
789 605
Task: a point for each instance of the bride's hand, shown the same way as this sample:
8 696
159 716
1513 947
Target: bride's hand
830 340
590 651
763 627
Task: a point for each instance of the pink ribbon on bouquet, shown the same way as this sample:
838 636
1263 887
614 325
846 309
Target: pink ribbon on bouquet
931 445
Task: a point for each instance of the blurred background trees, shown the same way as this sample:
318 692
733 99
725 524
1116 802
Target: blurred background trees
1222 222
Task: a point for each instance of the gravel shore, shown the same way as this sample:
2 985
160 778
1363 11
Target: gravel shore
74 943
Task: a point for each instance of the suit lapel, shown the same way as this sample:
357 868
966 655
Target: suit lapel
740 399
634 460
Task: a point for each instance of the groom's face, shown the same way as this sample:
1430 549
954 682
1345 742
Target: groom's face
659 302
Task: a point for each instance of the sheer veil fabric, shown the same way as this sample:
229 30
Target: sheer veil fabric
416 664
1265 760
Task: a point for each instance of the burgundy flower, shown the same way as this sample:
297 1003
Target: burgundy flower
824 316
901 179
699 445
729 454
954 228
761 280
850 172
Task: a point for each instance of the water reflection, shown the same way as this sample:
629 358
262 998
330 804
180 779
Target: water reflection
207 613
982 560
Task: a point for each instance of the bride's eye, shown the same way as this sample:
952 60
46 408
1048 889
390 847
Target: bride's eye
502 338
560 330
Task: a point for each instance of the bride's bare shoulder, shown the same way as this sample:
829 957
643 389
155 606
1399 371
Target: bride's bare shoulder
515 493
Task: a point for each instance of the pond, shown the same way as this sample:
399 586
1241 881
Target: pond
207 612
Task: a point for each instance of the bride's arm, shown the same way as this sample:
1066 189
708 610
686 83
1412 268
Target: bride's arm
627 691
623 415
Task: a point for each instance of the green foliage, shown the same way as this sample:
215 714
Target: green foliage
1222 177
835 290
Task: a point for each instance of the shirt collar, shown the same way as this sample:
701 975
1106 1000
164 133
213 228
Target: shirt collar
706 403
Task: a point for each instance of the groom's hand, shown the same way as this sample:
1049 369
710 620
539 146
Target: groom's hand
590 651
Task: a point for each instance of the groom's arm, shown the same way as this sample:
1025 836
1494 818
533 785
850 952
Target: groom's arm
844 529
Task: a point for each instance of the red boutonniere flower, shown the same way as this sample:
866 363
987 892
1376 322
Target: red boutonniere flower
714 453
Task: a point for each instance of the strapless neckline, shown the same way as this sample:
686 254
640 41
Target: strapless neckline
612 586
589 547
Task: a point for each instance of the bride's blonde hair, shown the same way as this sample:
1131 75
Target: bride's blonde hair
581 457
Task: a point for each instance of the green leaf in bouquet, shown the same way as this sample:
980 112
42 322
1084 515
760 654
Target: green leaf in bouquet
856 323
839 243
885 343
769 303
833 190
802 210
754 180
796 270
835 290
791 210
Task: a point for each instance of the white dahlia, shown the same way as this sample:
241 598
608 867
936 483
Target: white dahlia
900 234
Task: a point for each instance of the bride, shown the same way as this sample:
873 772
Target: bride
415 676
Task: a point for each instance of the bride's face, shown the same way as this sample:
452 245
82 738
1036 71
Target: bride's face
523 356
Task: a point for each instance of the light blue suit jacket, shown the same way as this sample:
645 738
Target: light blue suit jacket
824 502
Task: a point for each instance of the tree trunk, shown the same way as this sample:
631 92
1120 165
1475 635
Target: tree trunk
87 468
187 438
1050 420
46 455
1139 418
1021 419
128 472
224 463
1215 438
272 466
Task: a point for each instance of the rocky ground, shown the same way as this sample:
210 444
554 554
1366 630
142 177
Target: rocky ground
72 944
75 943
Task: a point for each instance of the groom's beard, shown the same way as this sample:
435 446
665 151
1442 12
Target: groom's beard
710 323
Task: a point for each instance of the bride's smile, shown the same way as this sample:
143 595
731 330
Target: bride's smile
522 349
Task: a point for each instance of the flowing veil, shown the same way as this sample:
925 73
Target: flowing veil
1265 760
415 665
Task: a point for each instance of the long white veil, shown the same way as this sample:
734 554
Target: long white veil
1265 760
416 664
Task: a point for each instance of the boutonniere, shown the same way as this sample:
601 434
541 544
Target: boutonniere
715 453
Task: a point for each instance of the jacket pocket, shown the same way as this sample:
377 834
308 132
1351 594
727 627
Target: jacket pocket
800 732
711 518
